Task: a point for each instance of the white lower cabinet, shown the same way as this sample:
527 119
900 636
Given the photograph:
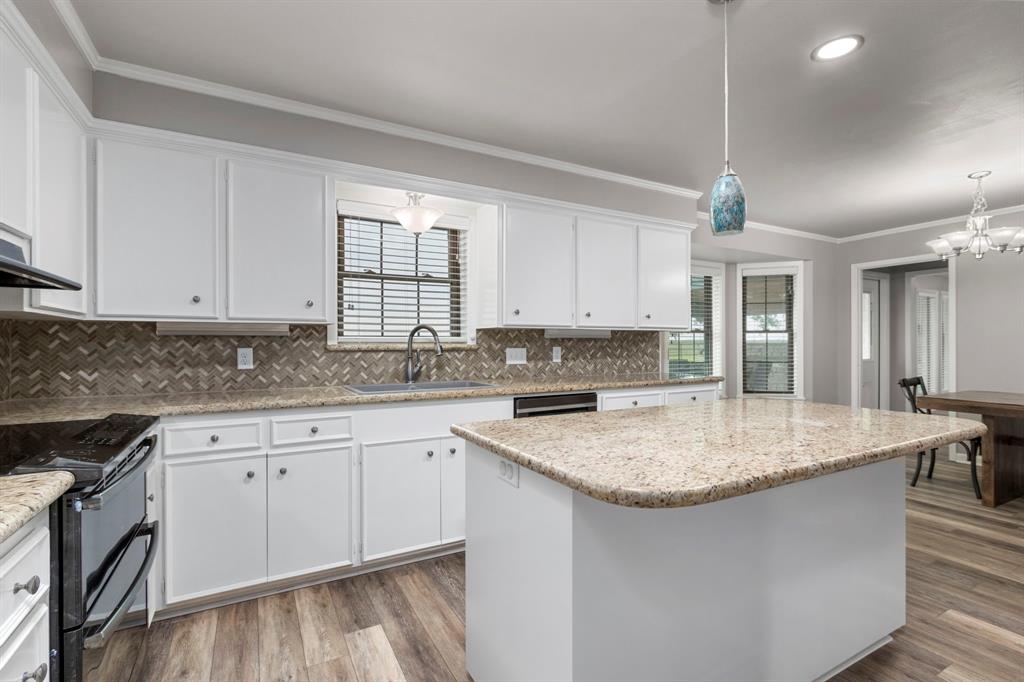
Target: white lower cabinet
453 489
308 510
26 655
215 514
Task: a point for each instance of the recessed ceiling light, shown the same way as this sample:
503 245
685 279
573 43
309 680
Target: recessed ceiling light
836 48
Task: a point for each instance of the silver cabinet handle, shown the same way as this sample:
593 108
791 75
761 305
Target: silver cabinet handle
31 585
635 403
283 470
196 299
250 474
314 429
214 438
516 311
430 453
451 451
38 675
586 314
309 303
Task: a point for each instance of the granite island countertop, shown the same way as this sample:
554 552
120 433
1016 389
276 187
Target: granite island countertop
22 497
173 404
683 455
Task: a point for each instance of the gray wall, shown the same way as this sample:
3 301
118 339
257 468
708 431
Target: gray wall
44 21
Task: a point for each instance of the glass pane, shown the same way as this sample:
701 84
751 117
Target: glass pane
865 326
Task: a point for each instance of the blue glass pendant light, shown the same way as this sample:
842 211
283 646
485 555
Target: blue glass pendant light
728 212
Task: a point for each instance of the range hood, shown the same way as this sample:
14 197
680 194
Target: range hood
15 272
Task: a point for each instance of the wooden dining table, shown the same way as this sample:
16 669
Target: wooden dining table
1002 448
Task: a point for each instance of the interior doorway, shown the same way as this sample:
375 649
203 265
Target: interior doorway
874 340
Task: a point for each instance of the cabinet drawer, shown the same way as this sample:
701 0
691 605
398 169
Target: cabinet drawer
630 400
683 397
310 429
27 651
190 439
24 578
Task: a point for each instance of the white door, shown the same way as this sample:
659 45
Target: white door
538 268
308 510
156 232
870 320
606 274
278 226
453 489
216 524
18 83
401 496
664 266
60 236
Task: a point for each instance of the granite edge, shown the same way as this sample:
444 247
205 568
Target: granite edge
24 496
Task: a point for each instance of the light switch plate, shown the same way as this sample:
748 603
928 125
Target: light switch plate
245 358
515 356
556 354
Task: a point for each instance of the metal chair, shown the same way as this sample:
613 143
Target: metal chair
910 387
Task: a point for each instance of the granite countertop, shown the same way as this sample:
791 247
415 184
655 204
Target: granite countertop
683 455
171 404
22 497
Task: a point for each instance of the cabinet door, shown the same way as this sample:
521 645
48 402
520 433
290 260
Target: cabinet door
453 489
606 274
216 522
308 510
401 486
538 269
18 83
156 232
60 235
27 650
664 278
278 224
627 401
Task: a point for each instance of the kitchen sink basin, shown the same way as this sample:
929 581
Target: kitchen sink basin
370 389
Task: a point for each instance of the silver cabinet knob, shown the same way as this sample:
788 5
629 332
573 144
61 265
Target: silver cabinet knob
250 474
196 299
516 311
214 438
309 303
31 585
451 451
283 470
693 397
586 314
430 453
151 497
37 675
314 429
635 403
648 316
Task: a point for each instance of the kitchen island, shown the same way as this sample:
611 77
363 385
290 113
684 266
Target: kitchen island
730 540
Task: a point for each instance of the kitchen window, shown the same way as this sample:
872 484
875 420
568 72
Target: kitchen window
390 280
770 326
698 351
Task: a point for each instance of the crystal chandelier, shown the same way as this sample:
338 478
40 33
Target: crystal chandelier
977 237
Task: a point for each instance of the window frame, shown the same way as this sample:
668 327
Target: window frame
700 268
797 269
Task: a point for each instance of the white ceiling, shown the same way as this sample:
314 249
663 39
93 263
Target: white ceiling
881 139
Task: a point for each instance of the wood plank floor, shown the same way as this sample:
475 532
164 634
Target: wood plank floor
965 614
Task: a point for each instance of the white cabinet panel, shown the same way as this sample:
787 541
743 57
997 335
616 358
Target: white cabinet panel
278 225
156 232
308 511
60 240
627 401
216 524
664 266
453 489
28 651
401 496
606 274
18 84
684 397
538 268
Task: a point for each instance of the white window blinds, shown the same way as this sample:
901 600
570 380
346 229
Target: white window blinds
697 352
390 280
931 342
768 334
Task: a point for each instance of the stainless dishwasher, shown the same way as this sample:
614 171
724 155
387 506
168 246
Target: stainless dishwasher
561 403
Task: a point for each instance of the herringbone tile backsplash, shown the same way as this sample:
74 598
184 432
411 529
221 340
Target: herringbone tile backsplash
45 359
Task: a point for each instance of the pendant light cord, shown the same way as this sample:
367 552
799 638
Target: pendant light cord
725 30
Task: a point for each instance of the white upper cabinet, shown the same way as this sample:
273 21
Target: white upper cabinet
278 225
60 244
18 83
664 282
538 268
156 232
605 274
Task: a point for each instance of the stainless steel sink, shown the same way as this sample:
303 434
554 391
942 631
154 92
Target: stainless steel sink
370 389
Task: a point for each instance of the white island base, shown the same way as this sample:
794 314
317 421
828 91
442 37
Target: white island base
790 583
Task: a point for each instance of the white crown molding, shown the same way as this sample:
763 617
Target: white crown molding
788 231
924 226
80 35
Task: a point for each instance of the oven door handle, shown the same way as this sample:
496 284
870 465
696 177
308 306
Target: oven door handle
103 633
95 501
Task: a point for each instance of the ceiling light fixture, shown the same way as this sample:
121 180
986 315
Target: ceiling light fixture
728 203
836 48
977 237
415 218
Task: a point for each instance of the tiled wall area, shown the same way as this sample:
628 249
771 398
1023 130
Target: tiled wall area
45 359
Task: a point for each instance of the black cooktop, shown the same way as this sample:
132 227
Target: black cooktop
85 448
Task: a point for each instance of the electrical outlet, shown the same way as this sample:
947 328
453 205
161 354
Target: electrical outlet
509 472
515 356
245 358
556 354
